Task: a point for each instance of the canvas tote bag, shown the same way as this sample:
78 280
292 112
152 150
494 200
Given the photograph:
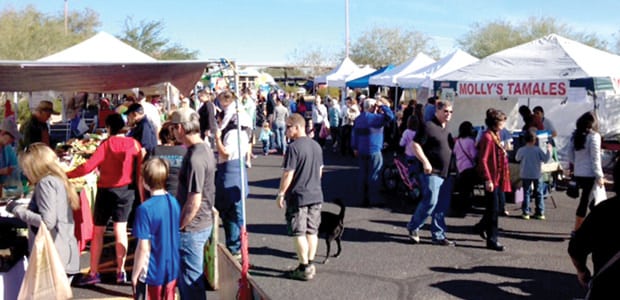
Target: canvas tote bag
45 276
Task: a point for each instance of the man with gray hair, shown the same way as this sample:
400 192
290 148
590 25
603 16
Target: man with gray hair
196 195
367 142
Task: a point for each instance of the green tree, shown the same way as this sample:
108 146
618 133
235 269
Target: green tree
484 39
312 60
383 46
29 34
146 36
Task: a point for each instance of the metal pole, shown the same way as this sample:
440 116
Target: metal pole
66 16
346 32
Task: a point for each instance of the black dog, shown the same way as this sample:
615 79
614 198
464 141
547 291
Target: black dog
332 227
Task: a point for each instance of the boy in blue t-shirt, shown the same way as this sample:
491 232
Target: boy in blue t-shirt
157 228
532 158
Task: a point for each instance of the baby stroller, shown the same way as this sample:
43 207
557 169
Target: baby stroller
400 180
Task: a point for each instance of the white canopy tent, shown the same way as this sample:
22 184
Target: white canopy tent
389 78
338 74
356 74
424 76
563 76
101 48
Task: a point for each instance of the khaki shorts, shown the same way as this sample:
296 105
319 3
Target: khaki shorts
303 220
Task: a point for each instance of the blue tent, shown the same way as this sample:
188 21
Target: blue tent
362 82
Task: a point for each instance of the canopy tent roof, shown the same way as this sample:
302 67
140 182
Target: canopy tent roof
362 82
97 77
99 64
101 48
344 69
424 77
357 74
389 78
548 63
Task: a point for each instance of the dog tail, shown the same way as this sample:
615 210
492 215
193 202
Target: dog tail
339 202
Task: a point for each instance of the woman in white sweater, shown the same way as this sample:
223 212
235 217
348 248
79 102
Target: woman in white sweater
584 154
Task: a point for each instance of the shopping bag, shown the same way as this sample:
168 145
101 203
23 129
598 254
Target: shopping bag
45 276
519 196
598 194
324 131
211 269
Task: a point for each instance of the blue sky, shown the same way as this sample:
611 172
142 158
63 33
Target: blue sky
268 31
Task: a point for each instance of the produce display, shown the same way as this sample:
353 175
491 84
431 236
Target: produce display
76 152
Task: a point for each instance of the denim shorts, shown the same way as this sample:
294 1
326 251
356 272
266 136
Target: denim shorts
304 220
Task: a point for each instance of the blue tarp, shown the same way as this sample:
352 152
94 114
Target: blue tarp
362 82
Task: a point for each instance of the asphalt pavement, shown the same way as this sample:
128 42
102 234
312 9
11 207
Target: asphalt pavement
379 262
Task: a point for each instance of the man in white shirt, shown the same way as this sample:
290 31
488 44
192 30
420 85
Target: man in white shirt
151 111
228 183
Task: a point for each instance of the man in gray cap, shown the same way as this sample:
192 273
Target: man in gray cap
36 129
8 158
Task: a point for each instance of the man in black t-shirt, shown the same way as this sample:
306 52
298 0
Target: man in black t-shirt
196 195
300 189
433 148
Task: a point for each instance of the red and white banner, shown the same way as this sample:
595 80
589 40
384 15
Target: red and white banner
539 88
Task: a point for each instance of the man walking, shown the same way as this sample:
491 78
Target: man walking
196 193
300 190
433 148
367 142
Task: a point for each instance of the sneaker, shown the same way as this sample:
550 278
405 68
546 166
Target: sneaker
299 274
89 279
121 277
311 270
525 216
414 236
539 217
237 257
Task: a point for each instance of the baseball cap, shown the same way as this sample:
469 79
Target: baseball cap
136 107
46 106
8 125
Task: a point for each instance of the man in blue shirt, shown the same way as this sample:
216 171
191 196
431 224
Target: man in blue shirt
367 142
143 130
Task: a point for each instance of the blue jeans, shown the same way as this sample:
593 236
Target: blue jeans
435 202
539 186
266 146
369 174
228 201
280 130
191 278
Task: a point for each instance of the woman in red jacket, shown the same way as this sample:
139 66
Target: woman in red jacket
117 159
494 170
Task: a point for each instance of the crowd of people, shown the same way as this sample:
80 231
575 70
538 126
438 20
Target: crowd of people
193 161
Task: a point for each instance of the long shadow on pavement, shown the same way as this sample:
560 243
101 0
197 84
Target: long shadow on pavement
540 284
350 235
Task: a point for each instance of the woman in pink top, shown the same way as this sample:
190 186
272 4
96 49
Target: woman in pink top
466 154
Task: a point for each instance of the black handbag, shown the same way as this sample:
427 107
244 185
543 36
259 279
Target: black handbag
572 189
